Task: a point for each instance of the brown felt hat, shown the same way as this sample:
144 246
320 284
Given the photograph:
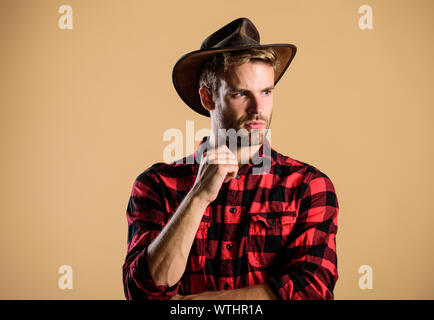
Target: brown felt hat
240 34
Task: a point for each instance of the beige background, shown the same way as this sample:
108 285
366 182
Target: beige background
83 112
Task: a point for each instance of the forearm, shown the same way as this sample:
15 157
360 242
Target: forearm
168 253
256 292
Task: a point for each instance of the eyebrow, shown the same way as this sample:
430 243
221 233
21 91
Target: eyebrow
242 89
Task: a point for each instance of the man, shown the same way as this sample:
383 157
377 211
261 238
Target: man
234 220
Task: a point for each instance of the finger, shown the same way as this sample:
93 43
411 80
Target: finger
222 161
221 152
221 158
218 149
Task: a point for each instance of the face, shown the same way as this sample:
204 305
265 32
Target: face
245 101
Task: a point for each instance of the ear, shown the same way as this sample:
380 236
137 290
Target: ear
206 98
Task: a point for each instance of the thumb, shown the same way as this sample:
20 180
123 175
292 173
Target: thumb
230 176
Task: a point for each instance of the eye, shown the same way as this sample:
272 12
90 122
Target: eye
239 94
268 92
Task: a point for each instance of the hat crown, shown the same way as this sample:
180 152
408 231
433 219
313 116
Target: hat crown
240 32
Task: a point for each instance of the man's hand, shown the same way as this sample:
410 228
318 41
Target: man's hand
217 166
168 253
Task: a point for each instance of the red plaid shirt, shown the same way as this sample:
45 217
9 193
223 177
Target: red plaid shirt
277 227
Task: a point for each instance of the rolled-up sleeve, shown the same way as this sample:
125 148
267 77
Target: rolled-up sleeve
309 261
146 217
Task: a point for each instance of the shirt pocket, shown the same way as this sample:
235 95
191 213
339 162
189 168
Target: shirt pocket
268 233
196 260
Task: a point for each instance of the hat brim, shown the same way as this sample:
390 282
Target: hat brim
186 72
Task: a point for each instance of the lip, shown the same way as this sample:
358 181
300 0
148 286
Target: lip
254 125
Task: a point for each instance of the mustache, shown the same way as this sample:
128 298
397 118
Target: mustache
255 118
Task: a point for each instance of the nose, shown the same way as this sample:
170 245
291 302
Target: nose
256 105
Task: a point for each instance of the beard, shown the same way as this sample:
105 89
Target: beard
237 135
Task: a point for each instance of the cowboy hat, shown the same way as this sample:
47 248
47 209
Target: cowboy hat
240 34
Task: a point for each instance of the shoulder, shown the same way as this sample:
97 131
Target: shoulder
162 171
310 173
150 172
316 188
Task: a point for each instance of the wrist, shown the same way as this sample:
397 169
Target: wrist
197 198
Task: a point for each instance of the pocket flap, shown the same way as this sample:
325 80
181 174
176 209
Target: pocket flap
273 213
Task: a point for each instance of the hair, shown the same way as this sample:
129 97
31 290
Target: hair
215 66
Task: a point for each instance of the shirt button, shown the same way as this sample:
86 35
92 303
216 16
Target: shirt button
229 246
226 286
237 177
232 210
272 222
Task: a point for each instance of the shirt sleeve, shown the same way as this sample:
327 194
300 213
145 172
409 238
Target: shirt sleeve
309 263
146 217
